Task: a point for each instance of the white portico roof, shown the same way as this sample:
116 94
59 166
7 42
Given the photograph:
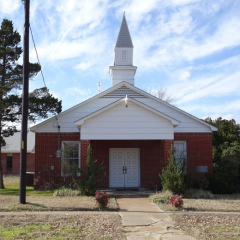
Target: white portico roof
126 122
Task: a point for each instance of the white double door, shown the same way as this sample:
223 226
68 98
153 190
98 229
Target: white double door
124 167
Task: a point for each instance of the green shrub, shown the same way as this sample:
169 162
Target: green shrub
173 176
226 176
198 194
161 197
220 183
90 176
65 192
196 180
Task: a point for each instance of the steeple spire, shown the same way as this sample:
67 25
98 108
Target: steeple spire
123 69
124 38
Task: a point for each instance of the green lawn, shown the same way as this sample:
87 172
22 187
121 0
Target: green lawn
11 184
44 200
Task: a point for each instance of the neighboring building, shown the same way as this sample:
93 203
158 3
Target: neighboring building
11 154
129 130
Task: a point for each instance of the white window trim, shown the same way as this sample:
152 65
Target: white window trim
79 154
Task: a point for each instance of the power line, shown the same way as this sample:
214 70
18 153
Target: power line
37 55
23 2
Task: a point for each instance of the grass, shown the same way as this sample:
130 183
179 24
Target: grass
65 192
12 183
202 201
28 230
44 200
84 226
207 226
161 197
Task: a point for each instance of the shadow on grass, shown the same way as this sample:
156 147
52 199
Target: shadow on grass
26 207
30 191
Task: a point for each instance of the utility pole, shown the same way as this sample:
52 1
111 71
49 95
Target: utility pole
23 158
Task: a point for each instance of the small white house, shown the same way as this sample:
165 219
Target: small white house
10 156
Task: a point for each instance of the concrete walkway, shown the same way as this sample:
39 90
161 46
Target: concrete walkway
144 220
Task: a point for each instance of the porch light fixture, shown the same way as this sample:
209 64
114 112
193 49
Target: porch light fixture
126 101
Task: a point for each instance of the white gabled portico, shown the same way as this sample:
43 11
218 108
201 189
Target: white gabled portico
120 122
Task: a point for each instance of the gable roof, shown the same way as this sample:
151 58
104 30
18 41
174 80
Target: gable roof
124 37
131 87
81 120
13 143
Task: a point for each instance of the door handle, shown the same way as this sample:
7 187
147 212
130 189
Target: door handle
124 170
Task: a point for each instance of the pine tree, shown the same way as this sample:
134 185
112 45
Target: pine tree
173 176
41 103
91 176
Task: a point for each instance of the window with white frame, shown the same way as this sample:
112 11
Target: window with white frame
70 157
124 55
180 153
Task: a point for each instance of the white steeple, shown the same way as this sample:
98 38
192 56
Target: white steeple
123 69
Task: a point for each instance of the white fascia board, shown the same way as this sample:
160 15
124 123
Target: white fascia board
34 128
81 121
168 104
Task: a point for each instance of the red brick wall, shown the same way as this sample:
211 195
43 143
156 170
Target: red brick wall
151 155
16 163
46 145
199 150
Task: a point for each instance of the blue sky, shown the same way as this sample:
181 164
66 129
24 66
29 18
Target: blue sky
189 47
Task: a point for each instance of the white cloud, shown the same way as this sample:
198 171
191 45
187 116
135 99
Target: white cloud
217 42
65 49
78 91
214 87
180 2
224 111
9 6
185 75
83 65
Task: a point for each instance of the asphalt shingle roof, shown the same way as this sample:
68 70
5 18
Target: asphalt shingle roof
124 38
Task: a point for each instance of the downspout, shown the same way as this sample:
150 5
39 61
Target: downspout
58 138
58 152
